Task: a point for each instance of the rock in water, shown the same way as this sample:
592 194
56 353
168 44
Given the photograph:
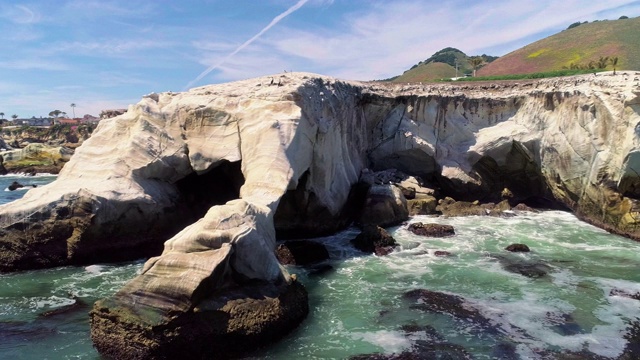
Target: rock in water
15 185
518 248
374 239
432 230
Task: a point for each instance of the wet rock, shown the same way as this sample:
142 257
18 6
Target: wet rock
15 185
505 351
529 268
3 170
632 350
431 345
623 293
517 248
451 207
456 306
77 305
431 229
301 252
422 206
442 253
229 324
374 239
524 207
564 324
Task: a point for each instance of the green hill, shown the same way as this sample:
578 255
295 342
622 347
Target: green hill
428 72
577 46
440 65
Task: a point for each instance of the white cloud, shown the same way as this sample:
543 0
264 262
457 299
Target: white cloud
19 14
388 37
34 64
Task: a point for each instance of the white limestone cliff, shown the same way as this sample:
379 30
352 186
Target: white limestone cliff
573 140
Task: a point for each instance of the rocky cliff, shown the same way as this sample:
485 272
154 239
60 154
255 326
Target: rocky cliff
218 170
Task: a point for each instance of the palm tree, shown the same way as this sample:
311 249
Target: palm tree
475 62
2 115
14 117
602 62
614 63
73 107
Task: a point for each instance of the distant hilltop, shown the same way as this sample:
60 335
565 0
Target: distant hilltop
598 45
585 45
444 64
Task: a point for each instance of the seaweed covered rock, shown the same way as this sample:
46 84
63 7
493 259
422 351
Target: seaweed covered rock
233 322
431 229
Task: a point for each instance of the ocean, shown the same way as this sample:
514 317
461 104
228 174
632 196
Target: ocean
571 299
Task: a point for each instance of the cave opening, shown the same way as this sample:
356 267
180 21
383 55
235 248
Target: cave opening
301 214
199 192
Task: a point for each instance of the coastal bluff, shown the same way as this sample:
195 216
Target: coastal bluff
205 180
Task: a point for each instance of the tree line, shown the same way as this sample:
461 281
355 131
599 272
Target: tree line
599 64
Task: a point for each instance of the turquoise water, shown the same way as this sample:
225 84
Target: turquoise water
358 307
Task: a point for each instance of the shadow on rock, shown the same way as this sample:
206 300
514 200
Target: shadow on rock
301 252
428 344
449 304
530 268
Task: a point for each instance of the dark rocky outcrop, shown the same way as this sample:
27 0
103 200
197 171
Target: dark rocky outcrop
454 305
442 253
3 170
15 185
632 350
518 248
530 268
232 323
374 239
451 207
422 206
431 229
301 252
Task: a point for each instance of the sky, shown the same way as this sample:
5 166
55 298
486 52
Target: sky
107 54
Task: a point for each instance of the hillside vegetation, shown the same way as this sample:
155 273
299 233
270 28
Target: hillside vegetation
440 65
576 46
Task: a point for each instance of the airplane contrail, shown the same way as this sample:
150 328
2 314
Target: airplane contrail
273 22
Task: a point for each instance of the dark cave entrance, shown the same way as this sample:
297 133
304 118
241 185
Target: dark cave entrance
199 192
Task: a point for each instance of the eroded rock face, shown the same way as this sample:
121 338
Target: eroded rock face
567 140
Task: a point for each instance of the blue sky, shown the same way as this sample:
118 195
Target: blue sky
102 54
